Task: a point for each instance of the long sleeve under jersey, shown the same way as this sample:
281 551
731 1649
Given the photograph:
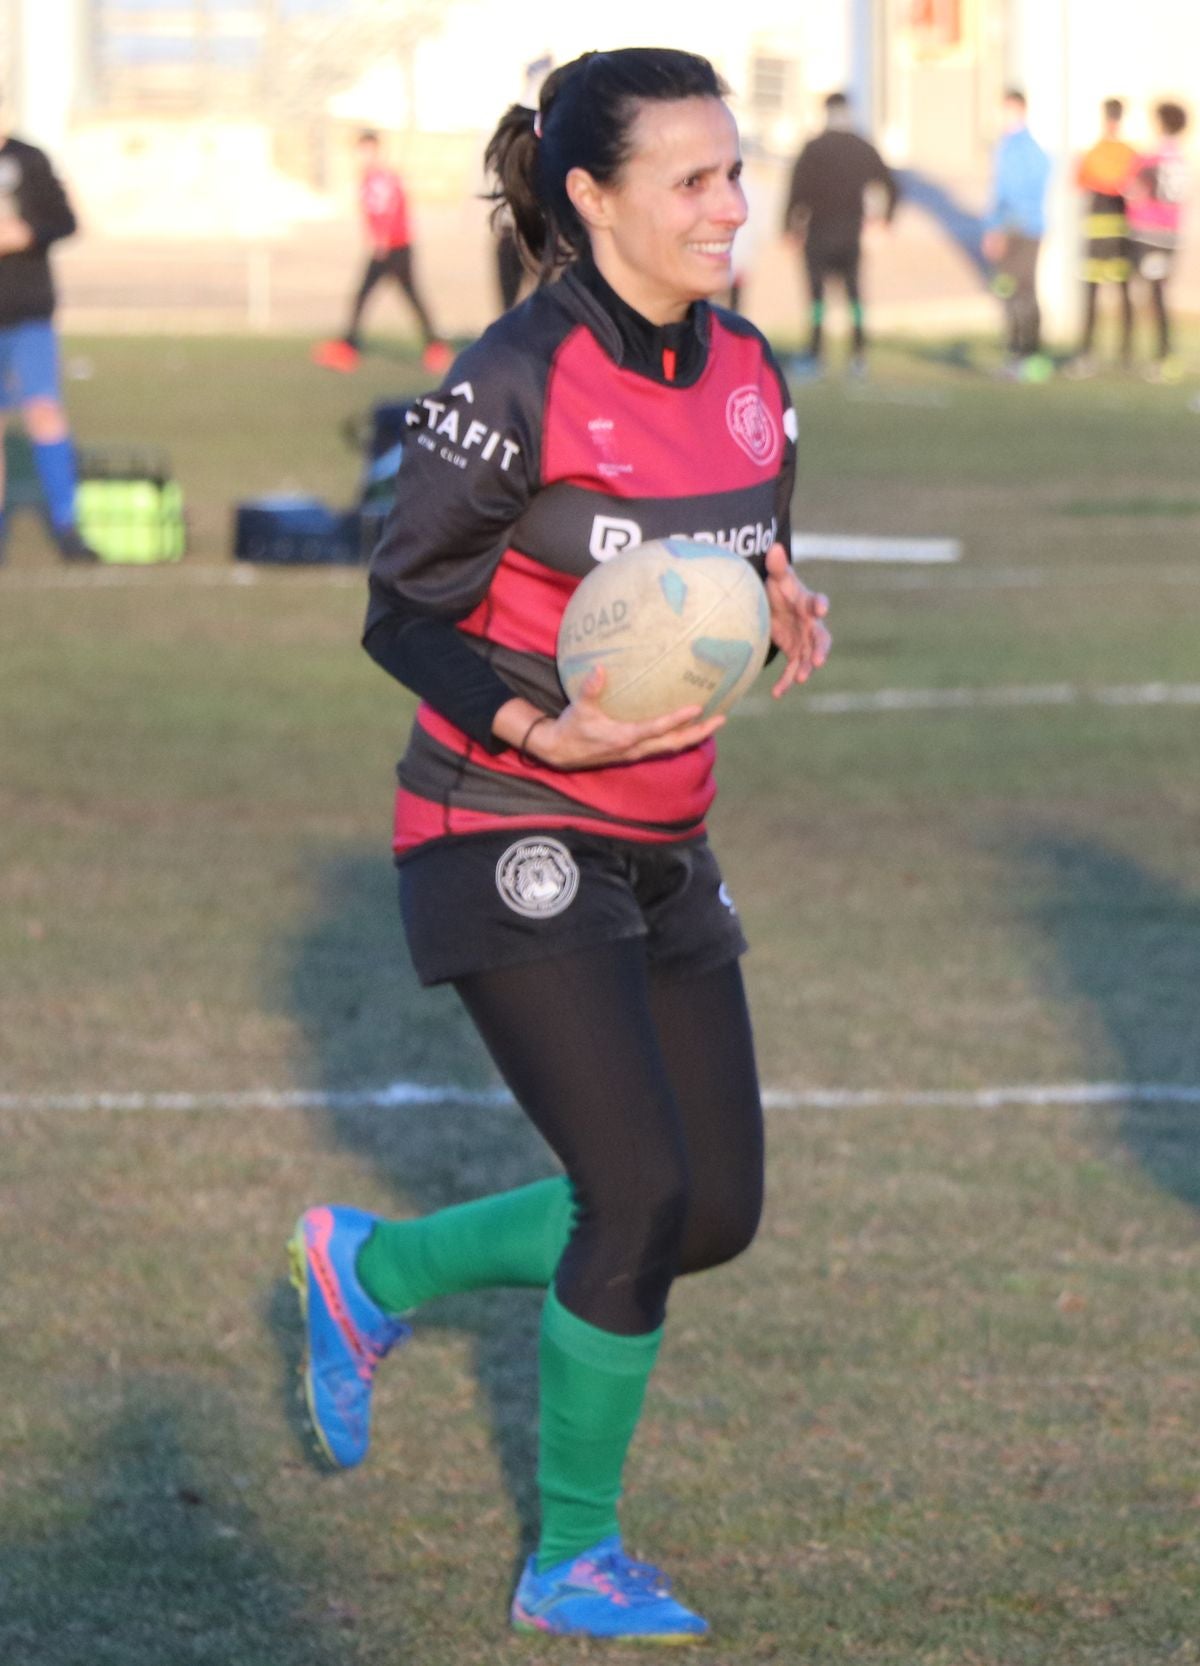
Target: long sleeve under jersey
570 430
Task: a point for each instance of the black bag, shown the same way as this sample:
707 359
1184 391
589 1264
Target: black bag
297 531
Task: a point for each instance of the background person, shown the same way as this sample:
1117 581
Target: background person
385 212
553 861
511 275
1013 230
826 206
1156 191
34 214
1102 175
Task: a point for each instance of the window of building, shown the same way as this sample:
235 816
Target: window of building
772 84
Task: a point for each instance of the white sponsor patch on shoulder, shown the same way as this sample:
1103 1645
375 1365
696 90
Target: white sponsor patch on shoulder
455 435
537 878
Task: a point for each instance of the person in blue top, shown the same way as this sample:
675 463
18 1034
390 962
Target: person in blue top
1013 232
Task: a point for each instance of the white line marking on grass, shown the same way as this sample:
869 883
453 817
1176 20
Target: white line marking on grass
977 699
395 1095
417 1095
830 546
125 578
939 574
987 1099
1024 578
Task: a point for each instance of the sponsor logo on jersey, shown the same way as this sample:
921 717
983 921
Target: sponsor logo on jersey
537 878
454 435
600 432
752 425
611 534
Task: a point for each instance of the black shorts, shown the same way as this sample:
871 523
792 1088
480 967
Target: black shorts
833 256
483 901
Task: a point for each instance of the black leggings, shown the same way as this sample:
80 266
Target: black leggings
397 264
1091 297
646 1091
1162 319
823 260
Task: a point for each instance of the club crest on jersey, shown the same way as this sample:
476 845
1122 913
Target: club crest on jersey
752 425
537 878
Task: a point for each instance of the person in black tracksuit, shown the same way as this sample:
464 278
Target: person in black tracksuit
553 861
35 214
825 210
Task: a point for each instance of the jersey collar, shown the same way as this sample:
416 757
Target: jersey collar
635 343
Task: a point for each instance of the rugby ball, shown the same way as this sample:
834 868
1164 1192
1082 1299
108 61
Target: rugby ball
673 622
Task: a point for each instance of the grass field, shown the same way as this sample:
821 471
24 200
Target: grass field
946 1412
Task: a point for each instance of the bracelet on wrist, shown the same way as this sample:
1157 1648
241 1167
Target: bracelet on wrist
542 717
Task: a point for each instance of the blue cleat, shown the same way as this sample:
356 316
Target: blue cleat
604 1593
346 1333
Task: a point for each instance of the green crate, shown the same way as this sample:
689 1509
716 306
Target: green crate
129 508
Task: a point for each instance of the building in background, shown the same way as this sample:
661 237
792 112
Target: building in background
231 119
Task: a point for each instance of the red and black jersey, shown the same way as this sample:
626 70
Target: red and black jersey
572 429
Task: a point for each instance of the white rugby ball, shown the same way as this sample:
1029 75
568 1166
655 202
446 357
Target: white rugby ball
673 622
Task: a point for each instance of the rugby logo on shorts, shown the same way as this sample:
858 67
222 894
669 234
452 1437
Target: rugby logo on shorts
537 878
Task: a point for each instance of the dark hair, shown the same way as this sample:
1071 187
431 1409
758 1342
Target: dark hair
837 101
1014 95
1172 118
1113 108
367 136
584 119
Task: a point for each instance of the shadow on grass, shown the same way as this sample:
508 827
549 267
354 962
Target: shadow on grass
1127 944
160 1559
367 1020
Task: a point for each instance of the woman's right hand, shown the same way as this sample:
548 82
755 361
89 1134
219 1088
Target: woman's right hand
583 736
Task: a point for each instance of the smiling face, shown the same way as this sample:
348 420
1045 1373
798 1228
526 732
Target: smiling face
662 231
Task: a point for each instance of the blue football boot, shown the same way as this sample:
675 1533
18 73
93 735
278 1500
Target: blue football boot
604 1593
347 1334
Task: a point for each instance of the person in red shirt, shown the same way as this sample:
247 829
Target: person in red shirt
385 215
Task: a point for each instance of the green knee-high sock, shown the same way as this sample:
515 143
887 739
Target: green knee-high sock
817 322
511 1238
592 1385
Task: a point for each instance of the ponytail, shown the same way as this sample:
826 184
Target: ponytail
511 160
584 120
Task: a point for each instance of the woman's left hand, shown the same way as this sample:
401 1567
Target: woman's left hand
796 621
